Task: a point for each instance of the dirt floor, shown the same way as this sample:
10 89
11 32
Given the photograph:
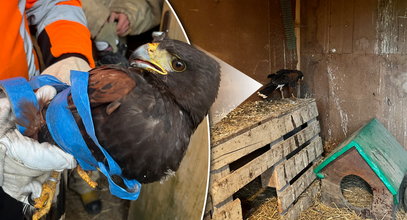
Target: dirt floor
113 208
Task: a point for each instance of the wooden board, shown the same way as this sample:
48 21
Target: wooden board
253 138
289 194
364 77
219 27
230 211
304 202
285 171
271 177
224 187
183 195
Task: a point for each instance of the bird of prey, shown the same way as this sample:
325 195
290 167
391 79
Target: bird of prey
144 115
279 80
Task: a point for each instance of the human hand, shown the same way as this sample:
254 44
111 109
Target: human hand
123 22
62 69
24 162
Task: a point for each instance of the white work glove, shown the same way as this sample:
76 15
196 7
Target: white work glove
24 162
61 69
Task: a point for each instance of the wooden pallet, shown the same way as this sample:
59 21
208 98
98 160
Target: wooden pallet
278 141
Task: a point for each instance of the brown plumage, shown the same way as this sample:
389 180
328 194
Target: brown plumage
145 115
33 117
283 78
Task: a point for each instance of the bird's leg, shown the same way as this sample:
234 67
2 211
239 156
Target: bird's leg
281 91
85 176
291 90
43 203
299 87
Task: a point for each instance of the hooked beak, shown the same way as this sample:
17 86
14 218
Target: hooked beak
145 57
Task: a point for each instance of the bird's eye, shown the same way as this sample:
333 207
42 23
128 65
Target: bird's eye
178 65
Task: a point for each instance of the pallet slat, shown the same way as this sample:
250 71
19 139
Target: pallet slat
231 210
288 195
219 173
290 168
225 187
304 202
259 136
276 176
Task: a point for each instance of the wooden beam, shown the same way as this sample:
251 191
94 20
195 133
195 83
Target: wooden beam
230 211
260 136
288 169
304 202
225 187
288 195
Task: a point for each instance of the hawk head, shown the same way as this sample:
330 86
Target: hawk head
186 73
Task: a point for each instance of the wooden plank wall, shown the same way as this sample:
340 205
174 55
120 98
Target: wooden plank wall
247 35
354 54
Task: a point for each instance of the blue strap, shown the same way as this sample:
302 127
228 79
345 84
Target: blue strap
81 101
79 81
66 132
63 127
42 80
21 92
133 186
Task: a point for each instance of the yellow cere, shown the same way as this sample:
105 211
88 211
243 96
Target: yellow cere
160 58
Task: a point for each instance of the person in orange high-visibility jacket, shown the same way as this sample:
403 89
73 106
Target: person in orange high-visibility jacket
59 27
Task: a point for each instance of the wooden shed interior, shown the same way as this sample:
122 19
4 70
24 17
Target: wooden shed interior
353 53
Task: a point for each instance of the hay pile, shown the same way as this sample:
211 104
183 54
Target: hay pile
261 204
319 211
357 191
250 114
268 210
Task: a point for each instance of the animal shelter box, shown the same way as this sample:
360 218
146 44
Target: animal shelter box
373 154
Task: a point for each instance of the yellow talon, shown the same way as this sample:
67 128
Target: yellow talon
85 176
43 203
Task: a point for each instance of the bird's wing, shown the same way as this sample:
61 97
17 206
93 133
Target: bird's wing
267 90
108 85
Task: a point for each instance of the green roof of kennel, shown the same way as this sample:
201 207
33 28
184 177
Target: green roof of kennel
381 151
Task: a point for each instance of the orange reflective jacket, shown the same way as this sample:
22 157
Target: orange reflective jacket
60 28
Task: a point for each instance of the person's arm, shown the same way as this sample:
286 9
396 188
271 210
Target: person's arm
142 15
62 35
96 15
24 162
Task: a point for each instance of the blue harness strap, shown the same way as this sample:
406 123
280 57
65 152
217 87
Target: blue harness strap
63 127
81 100
42 80
67 134
21 92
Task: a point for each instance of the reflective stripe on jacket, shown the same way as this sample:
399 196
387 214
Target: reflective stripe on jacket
60 31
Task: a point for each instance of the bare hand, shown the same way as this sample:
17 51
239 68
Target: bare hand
122 22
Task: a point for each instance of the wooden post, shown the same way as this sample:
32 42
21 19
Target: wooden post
297 30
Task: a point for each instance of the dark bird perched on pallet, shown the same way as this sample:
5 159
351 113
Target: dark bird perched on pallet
279 80
145 115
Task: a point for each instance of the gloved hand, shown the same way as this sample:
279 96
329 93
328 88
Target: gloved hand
123 22
107 38
24 162
61 69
